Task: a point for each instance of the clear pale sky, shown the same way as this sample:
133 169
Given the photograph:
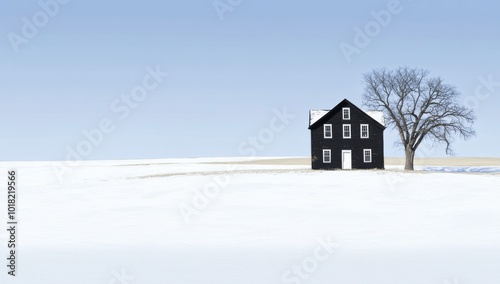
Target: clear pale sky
227 71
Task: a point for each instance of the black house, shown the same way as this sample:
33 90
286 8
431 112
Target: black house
346 137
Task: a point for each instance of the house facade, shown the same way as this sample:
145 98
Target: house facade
346 137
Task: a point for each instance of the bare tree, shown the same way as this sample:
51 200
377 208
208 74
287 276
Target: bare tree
418 107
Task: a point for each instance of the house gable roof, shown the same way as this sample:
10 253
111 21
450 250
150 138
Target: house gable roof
320 116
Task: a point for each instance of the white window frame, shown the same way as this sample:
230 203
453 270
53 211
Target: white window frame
367 131
343 131
348 113
324 131
329 151
364 155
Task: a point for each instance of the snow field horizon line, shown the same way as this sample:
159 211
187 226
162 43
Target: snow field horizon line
249 147
121 108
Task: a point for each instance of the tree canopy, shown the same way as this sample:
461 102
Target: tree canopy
419 107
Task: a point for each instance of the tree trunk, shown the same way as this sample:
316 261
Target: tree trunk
410 156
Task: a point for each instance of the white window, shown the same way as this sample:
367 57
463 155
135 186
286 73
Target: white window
367 155
327 129
346 130
327 156
364 131
346 113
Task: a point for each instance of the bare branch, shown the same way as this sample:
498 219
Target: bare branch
419 107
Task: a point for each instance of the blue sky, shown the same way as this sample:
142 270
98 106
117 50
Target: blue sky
226 74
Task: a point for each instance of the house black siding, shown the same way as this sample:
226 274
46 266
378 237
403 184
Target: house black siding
356 144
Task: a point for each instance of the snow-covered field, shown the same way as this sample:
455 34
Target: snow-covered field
222 221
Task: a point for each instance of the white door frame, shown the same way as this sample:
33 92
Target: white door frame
348 167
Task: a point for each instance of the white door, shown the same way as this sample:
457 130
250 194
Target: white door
346 160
